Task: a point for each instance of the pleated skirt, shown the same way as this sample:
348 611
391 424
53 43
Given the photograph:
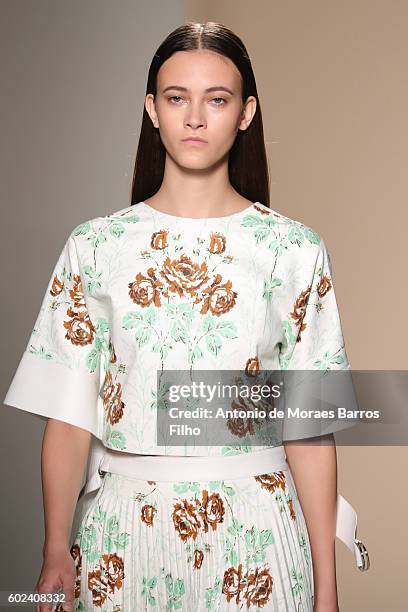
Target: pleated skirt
236 544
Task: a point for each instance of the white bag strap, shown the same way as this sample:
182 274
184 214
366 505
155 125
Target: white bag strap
346 528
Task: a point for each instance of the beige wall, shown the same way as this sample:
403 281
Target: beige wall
332 82
333 88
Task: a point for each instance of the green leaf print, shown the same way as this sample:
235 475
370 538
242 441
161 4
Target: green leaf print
178 331
296 236
94 282
298 233
251 537
94 355
96 239
266 537
269 435
113 540
99 515
179 588
168 581
147 586
108 543
312 236
101 326
162 347
227 329
181 488
194 354
41 352
297 577
180 312
236 527
269 285
175 590
228 490
160 399
261 234
214 330
94 555
143 324
252 220
233 558
214 485
303 543
93 359
256 542
278 247
184 486
270 221
89 543
132 320
212 593
131 219
263 226
82 228
115 439
112 526
150 316
228 546
151 599
213 343
289 335
116 229
236 450
328 360
209 323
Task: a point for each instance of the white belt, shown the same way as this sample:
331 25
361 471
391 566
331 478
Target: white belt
215 467
168 468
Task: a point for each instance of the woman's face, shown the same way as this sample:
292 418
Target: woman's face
199 94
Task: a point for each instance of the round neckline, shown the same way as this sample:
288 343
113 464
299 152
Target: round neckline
181 218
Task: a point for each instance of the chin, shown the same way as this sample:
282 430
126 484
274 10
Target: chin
194 164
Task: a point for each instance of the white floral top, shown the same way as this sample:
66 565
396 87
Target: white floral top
139 291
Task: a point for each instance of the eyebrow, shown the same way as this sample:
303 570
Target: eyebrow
216 88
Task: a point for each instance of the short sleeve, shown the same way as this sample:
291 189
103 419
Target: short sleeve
313 336
60 372
313 340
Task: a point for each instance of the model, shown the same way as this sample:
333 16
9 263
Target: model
197 274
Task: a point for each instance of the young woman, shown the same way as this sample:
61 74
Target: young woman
198 273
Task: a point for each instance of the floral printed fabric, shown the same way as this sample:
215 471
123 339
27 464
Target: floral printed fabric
238 544
139 291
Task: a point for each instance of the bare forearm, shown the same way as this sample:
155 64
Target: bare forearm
314 469
64 454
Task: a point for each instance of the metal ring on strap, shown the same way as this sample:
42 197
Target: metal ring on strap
364 555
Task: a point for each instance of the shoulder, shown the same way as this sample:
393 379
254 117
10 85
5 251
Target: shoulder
104 230
292 232
97 223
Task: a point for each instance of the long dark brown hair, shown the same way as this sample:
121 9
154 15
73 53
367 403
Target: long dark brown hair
247 162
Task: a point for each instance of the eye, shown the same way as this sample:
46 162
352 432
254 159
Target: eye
176 98
172 97
218 98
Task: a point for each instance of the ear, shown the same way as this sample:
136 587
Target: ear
151 109
248 111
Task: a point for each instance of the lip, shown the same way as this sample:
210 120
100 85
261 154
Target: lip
194 140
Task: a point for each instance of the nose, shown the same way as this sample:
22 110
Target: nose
194 117
194 123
